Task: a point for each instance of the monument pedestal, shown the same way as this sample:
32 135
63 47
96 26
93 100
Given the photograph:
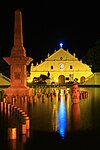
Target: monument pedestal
18 62
20 91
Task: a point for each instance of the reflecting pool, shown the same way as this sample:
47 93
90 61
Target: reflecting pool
56 121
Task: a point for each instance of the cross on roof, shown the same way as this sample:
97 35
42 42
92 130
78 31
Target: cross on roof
61 44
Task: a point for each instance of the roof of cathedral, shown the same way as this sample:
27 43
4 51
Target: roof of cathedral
61 54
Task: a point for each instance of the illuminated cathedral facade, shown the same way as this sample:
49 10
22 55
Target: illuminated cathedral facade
61 67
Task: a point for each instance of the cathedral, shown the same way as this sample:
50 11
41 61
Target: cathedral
61 67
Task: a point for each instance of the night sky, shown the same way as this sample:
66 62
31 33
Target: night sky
47 23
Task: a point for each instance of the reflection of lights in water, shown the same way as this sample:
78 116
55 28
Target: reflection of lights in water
75 116
68 112
61 91
62 117
54 117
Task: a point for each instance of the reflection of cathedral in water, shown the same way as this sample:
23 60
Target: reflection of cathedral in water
65 115
55 113
54 118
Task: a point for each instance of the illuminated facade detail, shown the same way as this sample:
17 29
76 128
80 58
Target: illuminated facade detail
61 58
69 67
51 67
61 66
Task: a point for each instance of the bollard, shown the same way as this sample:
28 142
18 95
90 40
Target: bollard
18 112
15 111
25 115
26 97
34 99
20 115
13 100
5 105
52 97
81 95
12 107
12 133
59 97
2 106
4 99
86 94
9 110
38 95
66 96
23 128
9 106
27 120
22 99
43 98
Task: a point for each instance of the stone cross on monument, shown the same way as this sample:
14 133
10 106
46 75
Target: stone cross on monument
18 62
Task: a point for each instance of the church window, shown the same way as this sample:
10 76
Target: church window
71 67
51 67
61 66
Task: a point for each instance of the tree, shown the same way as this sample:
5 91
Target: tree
44 77
92 57
40 79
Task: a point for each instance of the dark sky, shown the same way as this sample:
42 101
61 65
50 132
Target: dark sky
47 23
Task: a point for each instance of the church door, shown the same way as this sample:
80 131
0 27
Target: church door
61 79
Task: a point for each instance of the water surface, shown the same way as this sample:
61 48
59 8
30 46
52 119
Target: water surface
59 122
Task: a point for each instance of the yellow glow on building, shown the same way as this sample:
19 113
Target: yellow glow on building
62 67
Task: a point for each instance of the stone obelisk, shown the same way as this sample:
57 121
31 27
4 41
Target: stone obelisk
18 62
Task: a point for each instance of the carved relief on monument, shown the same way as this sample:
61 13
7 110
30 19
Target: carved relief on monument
17 75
